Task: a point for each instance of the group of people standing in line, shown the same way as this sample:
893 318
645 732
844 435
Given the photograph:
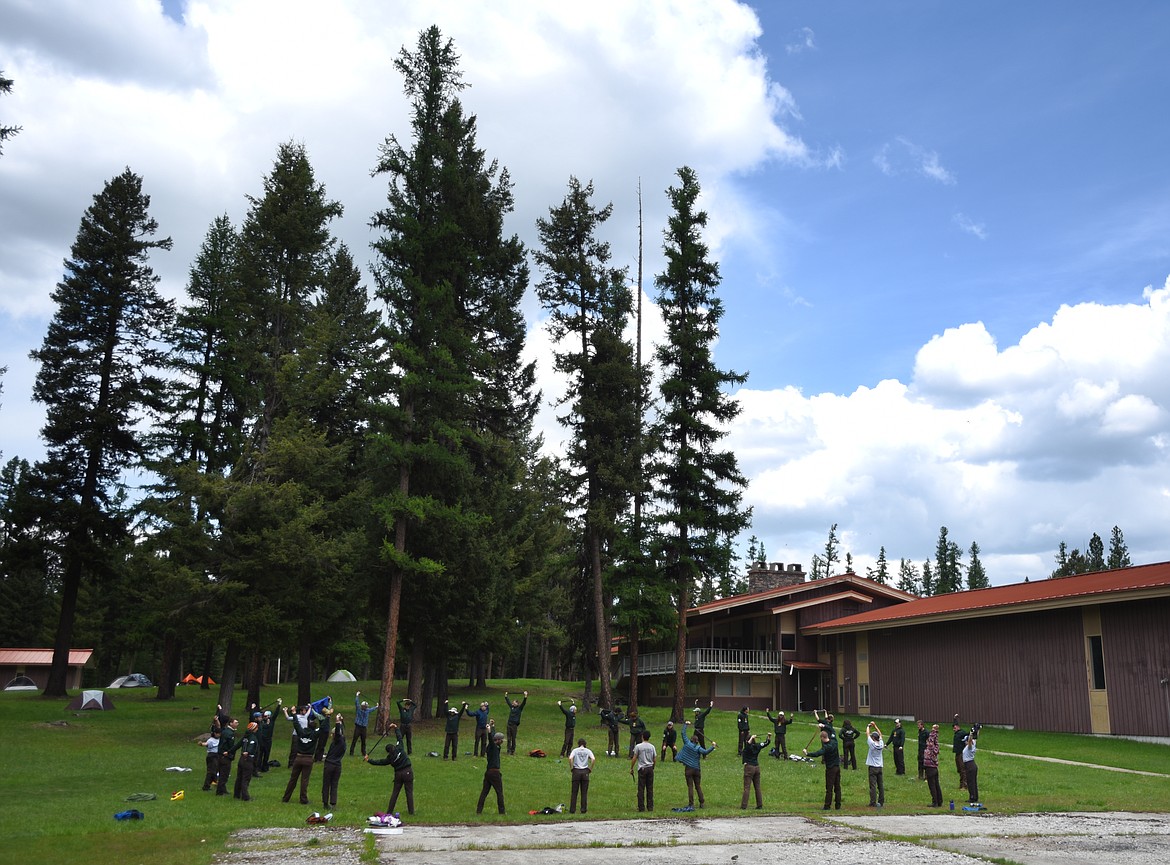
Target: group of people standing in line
312 724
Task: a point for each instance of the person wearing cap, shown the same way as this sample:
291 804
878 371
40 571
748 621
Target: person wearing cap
515 709
930 765
643 760
637 728
751 770
743 725
700 722
406 709
306 731
302 718
898 746
331 770
249 748
875 763
581 762
780 732
570 727
971 770
493 778
481 729
361 721
957 742
849 736
669 740
264 737
832 760
398 759
451 742
227 753
691 757
825 722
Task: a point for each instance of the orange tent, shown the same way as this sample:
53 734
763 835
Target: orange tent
191 679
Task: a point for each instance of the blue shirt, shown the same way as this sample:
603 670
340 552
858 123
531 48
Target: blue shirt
691 753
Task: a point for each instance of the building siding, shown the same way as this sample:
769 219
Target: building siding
1026 670
1136 643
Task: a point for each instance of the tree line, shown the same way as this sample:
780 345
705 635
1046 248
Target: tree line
288 464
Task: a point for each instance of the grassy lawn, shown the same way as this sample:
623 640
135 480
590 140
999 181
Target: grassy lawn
62 785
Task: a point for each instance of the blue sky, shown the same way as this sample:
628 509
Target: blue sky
943 228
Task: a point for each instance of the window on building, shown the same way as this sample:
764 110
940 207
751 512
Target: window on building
724 686
743 686
1097 661
788 642
863 694
841 696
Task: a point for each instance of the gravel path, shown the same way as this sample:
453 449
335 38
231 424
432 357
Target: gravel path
1028 839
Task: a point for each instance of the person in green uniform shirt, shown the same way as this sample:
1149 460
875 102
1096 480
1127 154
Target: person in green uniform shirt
492 778
637 728
780 730
249 748
832 760
227 753
515 709
451 741
849 737
669 741
398 759
751 770
700 723
570 727
897 740
743 725
406 710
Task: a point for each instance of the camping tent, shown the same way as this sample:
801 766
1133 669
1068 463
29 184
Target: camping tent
91 700
342 676
21 683
192 679
134 680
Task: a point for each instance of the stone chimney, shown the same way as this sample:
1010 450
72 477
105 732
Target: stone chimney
763 576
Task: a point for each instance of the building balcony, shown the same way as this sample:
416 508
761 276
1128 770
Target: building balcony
740 661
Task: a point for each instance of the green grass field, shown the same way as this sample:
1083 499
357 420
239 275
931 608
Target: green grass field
61 785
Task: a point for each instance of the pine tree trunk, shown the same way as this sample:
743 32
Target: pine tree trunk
386 692
227 681
172 654
601 620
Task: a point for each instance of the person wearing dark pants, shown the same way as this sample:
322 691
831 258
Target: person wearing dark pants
492 779
515 709
972 770
249 748
751 770
875 763
302 763
406 723
227 753
959 739
780 731
930 766
849 737
264 737
570 727
669 740
361 721
691 756
481 715
898 746
832 760
609 720
331 771
211 761
643 761
743 725
701 721
580 766
923 735
451 741
637 728
398 759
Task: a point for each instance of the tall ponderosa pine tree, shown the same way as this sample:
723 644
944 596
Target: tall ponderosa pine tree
976 575
452 284
699 486
1118 551
589 304
1095 560
881 571
98 379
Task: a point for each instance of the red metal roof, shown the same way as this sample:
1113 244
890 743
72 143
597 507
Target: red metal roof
42 657
1099 587
871 586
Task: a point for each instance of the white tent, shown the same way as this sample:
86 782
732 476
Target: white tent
341 676
91 700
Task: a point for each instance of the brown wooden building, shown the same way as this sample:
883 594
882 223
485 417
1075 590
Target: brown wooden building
1083 654
35 664
756 649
